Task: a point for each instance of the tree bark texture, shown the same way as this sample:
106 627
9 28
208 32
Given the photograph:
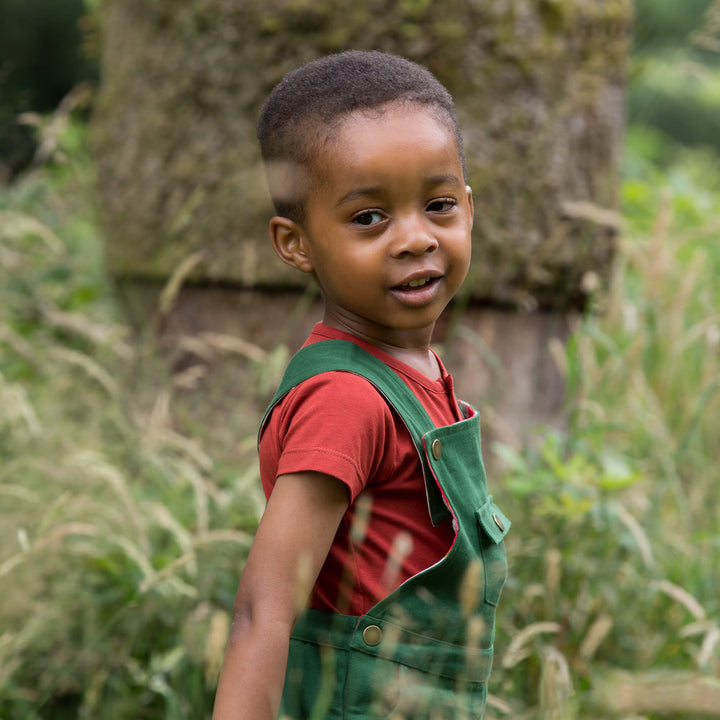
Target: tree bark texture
539 90
538 86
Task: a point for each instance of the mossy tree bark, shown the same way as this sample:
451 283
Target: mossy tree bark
539 90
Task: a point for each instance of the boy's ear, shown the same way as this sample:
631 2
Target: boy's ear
468 190
290 244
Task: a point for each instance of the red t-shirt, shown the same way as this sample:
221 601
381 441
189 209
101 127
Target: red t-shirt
338 423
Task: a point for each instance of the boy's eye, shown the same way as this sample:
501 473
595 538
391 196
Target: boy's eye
369 217
441 205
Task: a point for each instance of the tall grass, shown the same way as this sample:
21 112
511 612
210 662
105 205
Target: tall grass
121 537
124 521
617 539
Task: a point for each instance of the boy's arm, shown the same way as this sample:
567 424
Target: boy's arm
291 544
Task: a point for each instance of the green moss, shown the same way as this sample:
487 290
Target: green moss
415 9
557 15
183 86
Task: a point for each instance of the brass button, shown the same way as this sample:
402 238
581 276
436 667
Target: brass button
436 449
372 635
498 522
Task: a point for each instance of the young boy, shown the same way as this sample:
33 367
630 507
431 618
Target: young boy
378 511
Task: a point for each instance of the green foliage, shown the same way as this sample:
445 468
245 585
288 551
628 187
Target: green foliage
679 96
40 51
661 24
42 57
615 544
121 539
125 519
675 74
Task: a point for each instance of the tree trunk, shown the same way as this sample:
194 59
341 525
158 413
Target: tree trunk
539 90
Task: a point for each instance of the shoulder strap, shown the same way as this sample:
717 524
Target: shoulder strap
342 355
345 356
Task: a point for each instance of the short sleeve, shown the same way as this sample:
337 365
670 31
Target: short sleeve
336 423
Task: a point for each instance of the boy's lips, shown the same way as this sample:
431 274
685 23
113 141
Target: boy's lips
418 279
418 288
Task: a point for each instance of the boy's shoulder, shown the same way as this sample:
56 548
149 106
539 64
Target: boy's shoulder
335 392
318 388
340 411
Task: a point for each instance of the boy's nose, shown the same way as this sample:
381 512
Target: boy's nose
414 238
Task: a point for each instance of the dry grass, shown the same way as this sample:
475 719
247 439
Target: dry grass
125 515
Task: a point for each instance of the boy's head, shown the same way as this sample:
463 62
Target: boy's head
309 104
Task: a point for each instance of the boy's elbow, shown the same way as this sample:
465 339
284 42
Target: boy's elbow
249 618
242 619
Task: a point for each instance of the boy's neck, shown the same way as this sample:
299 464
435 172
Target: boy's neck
410 347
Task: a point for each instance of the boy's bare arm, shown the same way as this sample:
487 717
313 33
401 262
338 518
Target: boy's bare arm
290 547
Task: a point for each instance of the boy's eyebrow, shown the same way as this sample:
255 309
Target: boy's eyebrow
356 193
435 180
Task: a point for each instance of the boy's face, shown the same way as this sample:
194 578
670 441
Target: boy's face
387 229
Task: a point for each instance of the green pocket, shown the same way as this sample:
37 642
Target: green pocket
493 525
379 689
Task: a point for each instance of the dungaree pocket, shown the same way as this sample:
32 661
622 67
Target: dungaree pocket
379 688
493 525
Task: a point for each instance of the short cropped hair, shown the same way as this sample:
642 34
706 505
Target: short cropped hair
309 103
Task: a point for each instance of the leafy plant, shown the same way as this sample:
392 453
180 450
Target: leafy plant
121 539
614 549
125 515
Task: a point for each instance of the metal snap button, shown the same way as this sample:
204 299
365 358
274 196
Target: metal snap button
436 449
372 635
498 522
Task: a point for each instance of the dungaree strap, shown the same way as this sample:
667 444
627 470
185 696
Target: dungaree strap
345 356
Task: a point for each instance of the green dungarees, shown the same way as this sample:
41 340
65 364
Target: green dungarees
425 651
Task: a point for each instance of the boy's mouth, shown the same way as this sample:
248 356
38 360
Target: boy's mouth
416 283
419 290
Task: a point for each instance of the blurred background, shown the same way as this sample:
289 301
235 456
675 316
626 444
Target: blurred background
144 326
